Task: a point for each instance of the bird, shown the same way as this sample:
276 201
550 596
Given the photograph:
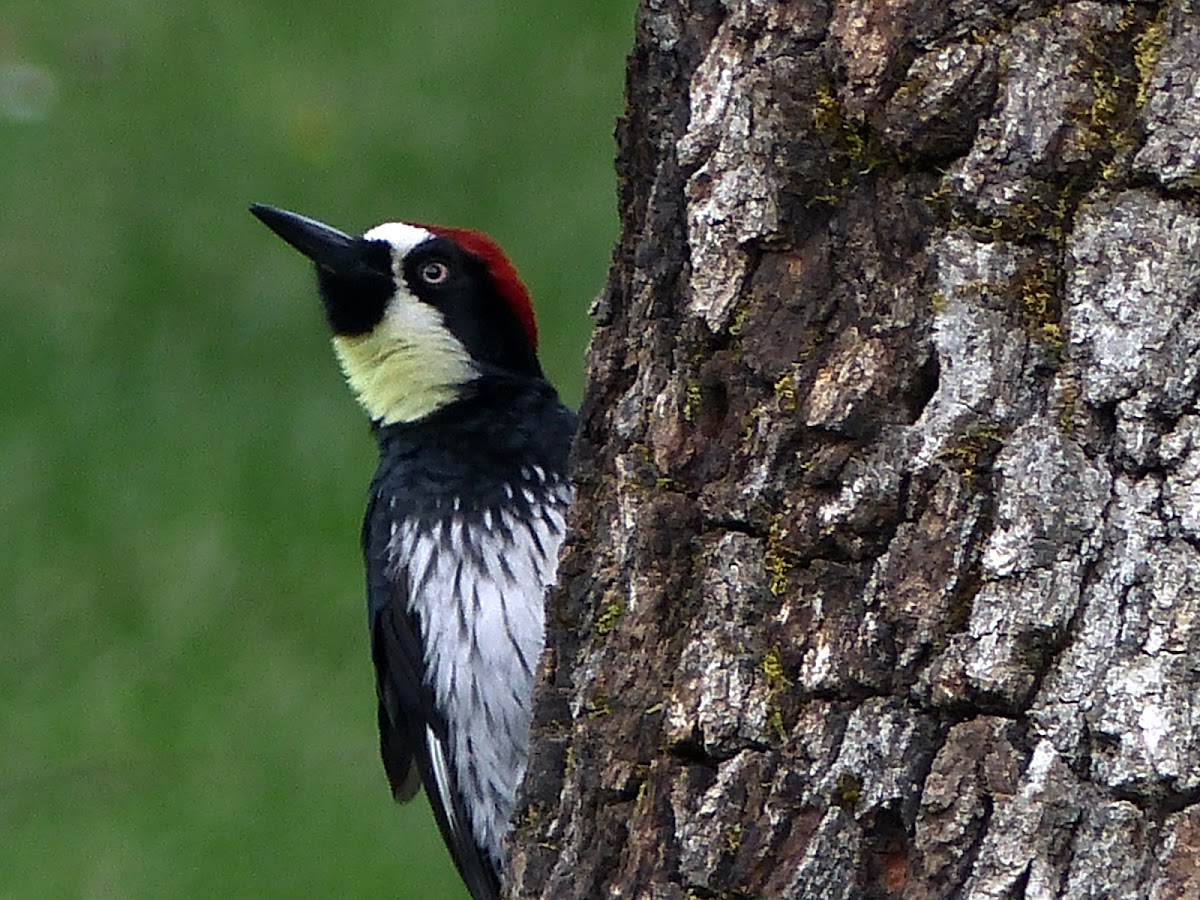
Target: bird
436 336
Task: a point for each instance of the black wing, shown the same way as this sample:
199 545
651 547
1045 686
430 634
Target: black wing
410 728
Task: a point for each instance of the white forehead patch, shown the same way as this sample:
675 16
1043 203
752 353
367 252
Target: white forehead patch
401 236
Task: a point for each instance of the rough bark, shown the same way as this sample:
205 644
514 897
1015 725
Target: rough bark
885 571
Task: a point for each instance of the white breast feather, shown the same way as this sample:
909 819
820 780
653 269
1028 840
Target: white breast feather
480 599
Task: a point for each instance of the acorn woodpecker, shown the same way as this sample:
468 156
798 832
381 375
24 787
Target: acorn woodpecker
436 336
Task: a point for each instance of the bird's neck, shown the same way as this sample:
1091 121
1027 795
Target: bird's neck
495 417
398 381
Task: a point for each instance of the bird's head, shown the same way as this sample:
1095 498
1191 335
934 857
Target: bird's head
418 312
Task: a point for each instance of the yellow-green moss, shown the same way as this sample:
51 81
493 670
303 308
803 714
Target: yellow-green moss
970 447
691 402
750 423
1045 213
733 837
1038 308
1105 127
639 469
1052 334
827 113
639 803
941 197
1107 103
775 721
785 393
607 620
739 322
1070 406
778 558
771 665
529 820
600 705
848 792
857 149
1147 48
777 567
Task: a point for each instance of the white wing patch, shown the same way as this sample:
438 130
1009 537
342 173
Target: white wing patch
477 583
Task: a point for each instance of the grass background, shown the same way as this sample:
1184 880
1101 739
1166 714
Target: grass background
186 700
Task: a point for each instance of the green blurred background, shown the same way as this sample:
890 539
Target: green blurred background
187 701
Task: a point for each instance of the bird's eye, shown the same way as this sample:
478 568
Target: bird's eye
435 272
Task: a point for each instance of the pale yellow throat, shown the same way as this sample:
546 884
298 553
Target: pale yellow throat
408 367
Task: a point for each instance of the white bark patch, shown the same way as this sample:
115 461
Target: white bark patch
1118 694
816 669
1036 557
1131 317
1018 842
1047 79
1038 462
731 197
977 345
707 827
1181 496
881 738
722 694
1148 728
1172 112
1154 725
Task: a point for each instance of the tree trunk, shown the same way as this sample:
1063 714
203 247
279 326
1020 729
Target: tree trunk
885 571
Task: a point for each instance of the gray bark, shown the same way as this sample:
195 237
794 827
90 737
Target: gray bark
884 578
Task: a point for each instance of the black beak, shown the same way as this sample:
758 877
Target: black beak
354 275
329 248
